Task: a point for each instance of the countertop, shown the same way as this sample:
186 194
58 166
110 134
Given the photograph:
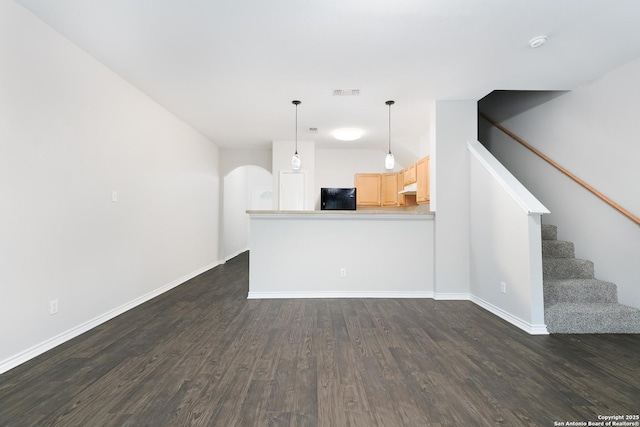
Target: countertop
346 214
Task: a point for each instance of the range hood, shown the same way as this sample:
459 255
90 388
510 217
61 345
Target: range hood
409 189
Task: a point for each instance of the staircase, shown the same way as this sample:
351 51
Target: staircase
575 301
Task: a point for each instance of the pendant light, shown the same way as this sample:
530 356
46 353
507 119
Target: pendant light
295 160
389 161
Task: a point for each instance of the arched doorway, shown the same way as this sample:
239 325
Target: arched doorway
245 188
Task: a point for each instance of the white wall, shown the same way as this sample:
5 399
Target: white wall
505 244
232 158
593 132
235 230
300 255
239 187
453 124
71 132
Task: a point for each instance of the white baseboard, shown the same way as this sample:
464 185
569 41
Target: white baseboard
235 254
458 296
365 294
533 329
55 341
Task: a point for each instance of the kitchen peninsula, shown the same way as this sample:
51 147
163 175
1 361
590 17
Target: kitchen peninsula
341 254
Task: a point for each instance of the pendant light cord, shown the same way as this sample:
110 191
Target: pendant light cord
296 103
390 103
389 128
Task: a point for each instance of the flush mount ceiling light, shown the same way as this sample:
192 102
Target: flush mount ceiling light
295 160
347 134
389 161
537 41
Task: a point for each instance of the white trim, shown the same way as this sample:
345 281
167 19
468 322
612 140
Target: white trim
235 254
342 215
516 190
55 341
458 296
356 294
525 326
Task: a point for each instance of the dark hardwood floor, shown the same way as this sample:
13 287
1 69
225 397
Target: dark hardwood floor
202 354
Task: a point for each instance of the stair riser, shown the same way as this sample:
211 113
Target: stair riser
593 323
549 232
557 249
558 268
554 294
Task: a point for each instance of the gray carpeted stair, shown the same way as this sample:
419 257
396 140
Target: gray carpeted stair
579 290
557 249
575 301
566 268
592 318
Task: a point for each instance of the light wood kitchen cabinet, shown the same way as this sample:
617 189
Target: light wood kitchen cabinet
368 189
400 187
422 175
390 189
409 174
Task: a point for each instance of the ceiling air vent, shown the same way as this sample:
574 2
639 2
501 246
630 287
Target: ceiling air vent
346 92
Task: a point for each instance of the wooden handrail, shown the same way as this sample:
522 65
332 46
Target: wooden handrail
534 150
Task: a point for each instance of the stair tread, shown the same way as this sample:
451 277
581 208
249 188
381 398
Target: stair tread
577 281
564 260
591 307
591 318
556 241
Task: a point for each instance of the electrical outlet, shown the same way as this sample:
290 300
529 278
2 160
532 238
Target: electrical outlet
114 196
503 287
53 306
343 272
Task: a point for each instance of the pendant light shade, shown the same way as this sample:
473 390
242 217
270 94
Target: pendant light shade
389 161
295 160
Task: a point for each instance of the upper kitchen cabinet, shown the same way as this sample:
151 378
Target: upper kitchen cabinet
409 175
390 189
402 199
422 175
368 189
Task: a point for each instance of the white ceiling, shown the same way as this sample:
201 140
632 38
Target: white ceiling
231 68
